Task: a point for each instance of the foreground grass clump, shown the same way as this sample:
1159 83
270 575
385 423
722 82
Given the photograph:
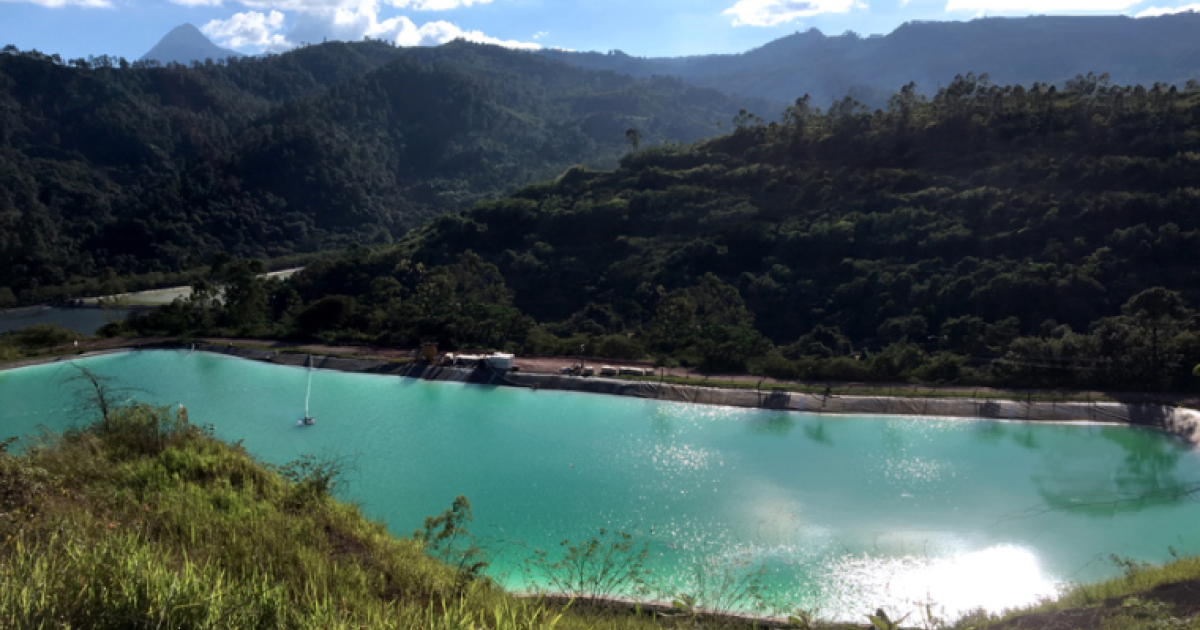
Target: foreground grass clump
144 520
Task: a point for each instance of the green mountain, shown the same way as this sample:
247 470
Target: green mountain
991 234
141 167
1013 51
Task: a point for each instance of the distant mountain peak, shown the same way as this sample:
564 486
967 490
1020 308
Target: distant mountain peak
186 33
185 44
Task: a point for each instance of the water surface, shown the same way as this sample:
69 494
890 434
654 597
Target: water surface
85 321
843 514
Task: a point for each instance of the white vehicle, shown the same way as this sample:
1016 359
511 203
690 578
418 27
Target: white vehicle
500 362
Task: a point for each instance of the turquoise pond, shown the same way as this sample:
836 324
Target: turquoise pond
845 514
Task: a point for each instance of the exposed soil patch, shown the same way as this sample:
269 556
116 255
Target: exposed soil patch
1181 598
616 607
1184 596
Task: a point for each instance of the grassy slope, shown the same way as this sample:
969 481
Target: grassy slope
148 522
1146 597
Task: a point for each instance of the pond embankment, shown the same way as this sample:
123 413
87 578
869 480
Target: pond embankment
1179 421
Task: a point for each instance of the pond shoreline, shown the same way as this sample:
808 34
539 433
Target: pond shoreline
1181 422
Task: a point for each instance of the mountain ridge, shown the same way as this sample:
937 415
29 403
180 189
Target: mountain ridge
1012 51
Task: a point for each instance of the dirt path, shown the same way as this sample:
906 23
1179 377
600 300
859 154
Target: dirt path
552 365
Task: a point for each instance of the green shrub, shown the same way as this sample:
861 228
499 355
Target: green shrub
777 367
40 336
609 564
942 368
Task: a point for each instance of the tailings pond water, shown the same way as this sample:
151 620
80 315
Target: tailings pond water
840 514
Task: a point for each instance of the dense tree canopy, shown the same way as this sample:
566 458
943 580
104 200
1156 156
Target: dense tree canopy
142 168
998 234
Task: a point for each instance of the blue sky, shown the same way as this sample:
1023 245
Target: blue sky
128 28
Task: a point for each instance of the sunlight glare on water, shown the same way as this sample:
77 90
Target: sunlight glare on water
995 579
840 515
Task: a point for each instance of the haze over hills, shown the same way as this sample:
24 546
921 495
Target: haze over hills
145 169
185 44
1012 51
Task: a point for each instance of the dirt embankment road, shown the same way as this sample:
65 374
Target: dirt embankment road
552 365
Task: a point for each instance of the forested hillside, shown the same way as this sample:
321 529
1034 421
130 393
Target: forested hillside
1013 51
992 234
144 168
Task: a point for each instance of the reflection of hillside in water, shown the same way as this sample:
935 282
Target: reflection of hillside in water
776 424
1147 476
818 433
813 428
1019 433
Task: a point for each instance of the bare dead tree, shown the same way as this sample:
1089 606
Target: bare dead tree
99 392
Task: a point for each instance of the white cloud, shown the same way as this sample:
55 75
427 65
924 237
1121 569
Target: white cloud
435 5
406 33
329 6
347 20
58 4
773 12
249 29
540 34
1159 11
354 19
1040 6
304 6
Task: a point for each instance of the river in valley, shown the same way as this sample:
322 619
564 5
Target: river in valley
84 320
